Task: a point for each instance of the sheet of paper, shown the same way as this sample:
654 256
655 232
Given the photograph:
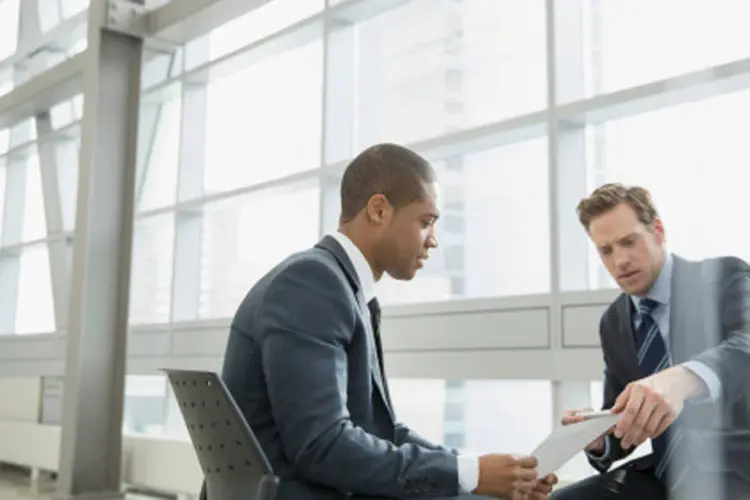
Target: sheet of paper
567 441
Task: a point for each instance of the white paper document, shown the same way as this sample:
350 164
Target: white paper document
567 441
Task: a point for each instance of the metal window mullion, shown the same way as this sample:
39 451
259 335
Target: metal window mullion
188 223
58 247
338 109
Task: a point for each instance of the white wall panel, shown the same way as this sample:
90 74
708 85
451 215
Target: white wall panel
521 364
20 399
207 340
581 325
148 344
31 347
508 329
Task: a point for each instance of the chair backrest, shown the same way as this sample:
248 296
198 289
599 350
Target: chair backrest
233 462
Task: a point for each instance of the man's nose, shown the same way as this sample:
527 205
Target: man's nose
431 241
622 259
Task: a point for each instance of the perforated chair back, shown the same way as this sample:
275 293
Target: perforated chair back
233 462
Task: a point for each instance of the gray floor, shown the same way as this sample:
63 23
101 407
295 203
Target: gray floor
16 485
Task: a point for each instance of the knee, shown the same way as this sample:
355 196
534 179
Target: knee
562 493
582 490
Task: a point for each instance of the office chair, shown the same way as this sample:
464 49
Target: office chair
233 463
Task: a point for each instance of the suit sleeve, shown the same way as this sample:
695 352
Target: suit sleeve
308 322
612 388
405 435
730 358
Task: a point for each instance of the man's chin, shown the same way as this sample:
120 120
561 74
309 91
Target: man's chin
633 289
404 275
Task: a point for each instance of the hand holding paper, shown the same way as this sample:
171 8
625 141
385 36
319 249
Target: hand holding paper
567 441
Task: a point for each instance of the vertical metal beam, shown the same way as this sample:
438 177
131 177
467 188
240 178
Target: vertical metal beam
91 449
58 247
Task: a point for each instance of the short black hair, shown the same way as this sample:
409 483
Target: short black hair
394 171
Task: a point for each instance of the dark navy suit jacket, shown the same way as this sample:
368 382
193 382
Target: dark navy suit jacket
302 365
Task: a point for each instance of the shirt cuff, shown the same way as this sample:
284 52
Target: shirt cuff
603 456
709 378
468 472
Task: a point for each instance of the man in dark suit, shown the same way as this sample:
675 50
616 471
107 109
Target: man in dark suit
304 359
676 347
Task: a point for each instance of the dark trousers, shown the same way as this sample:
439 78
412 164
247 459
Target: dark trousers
631 484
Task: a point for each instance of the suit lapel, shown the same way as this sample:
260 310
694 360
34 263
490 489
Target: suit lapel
329 243
372 348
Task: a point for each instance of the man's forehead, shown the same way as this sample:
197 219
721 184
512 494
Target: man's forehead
433 196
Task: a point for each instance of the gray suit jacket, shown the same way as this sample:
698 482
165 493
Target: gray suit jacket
709 322
302 365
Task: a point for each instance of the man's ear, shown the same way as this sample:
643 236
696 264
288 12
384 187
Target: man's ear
659 230
378 209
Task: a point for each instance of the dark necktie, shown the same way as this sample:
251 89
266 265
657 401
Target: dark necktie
374 307
653 357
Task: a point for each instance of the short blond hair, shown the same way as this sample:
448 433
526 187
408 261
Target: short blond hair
609 196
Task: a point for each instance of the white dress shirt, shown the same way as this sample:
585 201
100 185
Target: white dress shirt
468 465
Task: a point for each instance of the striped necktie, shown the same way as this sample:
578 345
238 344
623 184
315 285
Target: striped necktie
653 357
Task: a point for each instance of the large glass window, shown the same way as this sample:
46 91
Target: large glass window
244 237
151 273
673 37
494 231
145 405
9 21
693 158
35 311
264 122
158 181
34 220
259 23
428 68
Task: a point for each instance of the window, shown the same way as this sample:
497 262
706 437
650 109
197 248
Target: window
502 246
674 37
73 7
34 219
427 68
151 274
259 23
66 154
159 181
264 122
66 112
9 22
244 237
35 312
693 158
490 424
145 405
2 197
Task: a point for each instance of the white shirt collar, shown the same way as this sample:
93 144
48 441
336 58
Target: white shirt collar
361 266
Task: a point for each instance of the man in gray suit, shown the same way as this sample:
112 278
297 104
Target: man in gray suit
305 364
676 347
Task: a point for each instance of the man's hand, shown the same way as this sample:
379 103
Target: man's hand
506 475
650 405
573 417
541 491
